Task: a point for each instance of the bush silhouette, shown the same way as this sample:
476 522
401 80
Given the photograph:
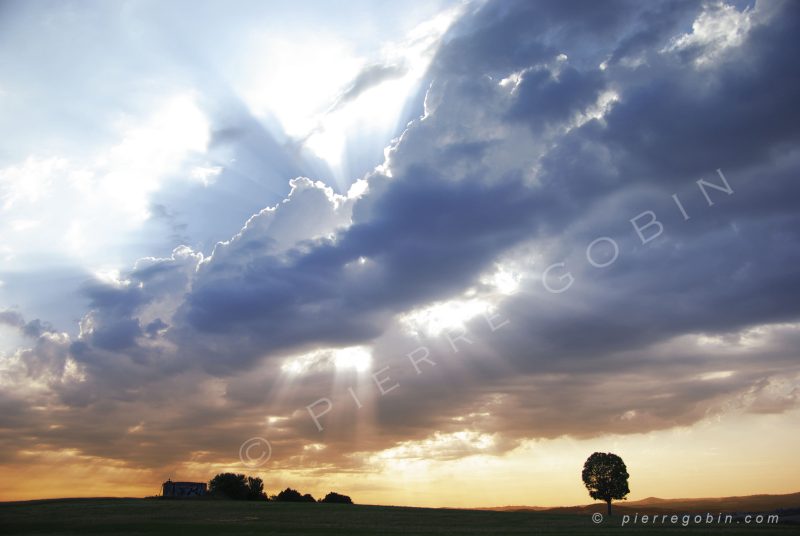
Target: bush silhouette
606 477
334 497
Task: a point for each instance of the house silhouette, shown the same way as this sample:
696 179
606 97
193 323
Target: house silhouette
183 489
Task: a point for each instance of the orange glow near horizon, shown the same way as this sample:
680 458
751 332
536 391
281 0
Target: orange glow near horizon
730 456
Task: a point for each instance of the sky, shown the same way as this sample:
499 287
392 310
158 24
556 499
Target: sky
426 253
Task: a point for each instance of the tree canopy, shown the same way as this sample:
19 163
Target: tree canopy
241 487
292 495
606 477
255 489
237 487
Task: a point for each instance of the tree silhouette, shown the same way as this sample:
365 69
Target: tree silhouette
237 487
255 489
229 486
606 477
292 495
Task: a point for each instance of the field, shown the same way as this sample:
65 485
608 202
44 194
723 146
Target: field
136 516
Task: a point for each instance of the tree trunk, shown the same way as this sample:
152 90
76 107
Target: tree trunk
609 507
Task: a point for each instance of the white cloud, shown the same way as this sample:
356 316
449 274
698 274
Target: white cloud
81 205
444 316
29 181
438 446
295 80
300 83
355 358
718 375
503 280
205 174
311 210
149 152
719 27
24 224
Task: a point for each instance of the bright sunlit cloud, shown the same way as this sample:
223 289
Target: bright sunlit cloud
719 27
441 317
310 86
503 280
440 446
354 358
296 80
107 193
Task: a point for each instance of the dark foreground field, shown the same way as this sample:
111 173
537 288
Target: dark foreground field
196 518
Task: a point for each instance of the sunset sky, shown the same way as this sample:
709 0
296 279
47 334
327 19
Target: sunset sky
429 253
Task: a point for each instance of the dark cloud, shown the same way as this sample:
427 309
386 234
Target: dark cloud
544 98
33 329
11 318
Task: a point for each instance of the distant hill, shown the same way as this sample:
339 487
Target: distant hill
748 503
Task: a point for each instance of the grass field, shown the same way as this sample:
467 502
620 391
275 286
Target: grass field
137 516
